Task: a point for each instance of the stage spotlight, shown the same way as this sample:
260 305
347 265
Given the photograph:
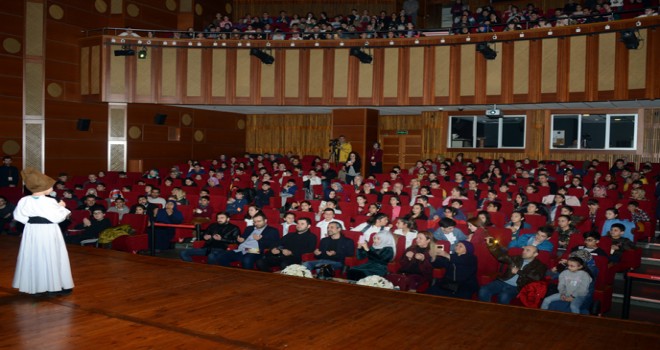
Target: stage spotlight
630 39
125 52
262 56
142 54
487 51
361 55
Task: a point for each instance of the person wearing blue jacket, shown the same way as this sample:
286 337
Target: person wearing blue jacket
235 205
540 239
612 216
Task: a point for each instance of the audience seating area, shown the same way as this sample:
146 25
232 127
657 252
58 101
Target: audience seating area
592 174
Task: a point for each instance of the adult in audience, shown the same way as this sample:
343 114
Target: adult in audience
522 270
253 243
291 248
218 236
460 279
155 198
378 256
332 250
163 235
416 262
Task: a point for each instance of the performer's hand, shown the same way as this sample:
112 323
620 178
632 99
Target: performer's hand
61 203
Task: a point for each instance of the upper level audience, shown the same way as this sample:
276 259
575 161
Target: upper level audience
403 24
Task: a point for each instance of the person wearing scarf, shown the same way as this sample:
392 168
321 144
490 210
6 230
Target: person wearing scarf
379 255
460 279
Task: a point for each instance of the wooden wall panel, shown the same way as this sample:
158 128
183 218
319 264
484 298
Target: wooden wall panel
637 64
224 133
152 15
577 64
494 75
391 76
143 78
365 80
63 143
243 82
606 63
468 53
168 74
316 72
218 73
292 74
84 70
194 73
268 80
340 88
441 71
416 72
521 67
549 66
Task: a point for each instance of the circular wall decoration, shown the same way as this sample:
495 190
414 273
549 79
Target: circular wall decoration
228 8
100 6
132 10
54 90
240 124
134 132
198 9
11 147
56 11
11 45
198 135
186 119
170 4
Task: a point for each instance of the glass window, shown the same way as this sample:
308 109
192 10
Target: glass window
483 132
622 131
594 131
462 132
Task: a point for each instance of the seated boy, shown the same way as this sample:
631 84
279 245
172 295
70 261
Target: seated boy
620 244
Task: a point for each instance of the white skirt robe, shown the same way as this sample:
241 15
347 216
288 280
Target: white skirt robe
43 261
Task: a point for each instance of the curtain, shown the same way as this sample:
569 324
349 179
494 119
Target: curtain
301 134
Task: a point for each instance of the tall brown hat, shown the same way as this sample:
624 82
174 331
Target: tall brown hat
35 181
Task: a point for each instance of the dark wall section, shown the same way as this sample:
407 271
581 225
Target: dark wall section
201 135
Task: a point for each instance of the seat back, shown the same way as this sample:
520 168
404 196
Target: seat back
136 221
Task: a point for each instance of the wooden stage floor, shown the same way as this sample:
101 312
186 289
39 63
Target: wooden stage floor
124 301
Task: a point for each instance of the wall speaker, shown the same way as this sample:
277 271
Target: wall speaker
159 119
83 124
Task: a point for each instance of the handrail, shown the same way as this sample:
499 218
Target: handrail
629 277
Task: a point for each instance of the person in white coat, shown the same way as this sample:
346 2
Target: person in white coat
43 261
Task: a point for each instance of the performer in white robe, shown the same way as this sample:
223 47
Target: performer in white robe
43 262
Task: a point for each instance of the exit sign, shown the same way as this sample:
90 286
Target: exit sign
402 132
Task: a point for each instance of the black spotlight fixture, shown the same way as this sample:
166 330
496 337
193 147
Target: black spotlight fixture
361 55
487 51
142 54
262 55
125 51
630 39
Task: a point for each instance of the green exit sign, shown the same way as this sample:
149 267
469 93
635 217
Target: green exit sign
402 132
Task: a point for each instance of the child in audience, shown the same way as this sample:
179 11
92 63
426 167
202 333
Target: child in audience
573 286
620 244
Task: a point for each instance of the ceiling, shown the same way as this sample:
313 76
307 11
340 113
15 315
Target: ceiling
415 110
